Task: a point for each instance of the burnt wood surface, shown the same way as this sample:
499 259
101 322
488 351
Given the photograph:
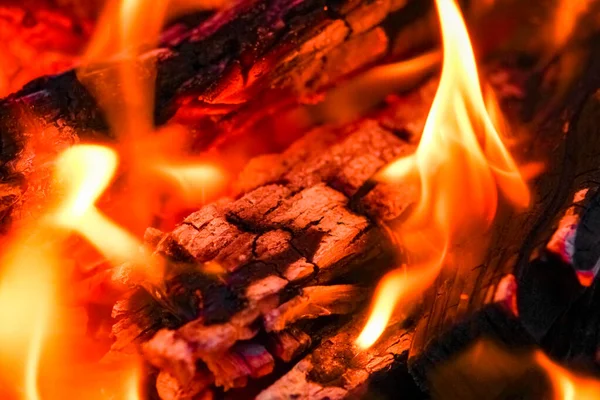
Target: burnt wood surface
255 56
298 243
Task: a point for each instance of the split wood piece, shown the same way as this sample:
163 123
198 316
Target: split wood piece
337 369
304 238
261 238
256 48
179 351
289 344
314 302
569 146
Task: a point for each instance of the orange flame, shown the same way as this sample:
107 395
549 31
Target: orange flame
488 369
132 391
126 94
30 273
460 165
567 385
566 15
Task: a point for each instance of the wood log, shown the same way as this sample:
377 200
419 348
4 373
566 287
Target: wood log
304 217
291 230
338 369
281 50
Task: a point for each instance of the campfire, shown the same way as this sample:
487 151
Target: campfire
300 199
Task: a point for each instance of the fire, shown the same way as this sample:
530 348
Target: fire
31 269
566 16
461 166
31 280
26 286
567 385
86 171
132 390
154 157
489 369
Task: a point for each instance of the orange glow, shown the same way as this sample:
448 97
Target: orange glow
132 390
567 385
566 16
195 182
461 166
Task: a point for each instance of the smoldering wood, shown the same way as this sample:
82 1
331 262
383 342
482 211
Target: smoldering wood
338 369
291 229
278 236
232 62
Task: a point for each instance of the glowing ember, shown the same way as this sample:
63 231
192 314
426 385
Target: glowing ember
460 164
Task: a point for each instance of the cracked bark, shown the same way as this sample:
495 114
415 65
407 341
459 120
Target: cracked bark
287 235
223 71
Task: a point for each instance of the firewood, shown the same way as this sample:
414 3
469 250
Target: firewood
338 369
233 61
301 224
289 344
314 302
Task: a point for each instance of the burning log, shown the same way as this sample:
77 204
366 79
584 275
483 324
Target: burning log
225 63
273 245
250 279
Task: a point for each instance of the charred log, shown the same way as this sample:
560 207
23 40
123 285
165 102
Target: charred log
239 57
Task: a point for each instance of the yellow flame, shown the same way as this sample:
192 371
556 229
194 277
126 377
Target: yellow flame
86 171
27 290
195 182
132 390
460 165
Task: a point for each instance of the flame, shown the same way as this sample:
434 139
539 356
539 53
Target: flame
125 92
566 15
489 369
132 391
567 385
196 182
86 171
461 166
26 286
30 282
